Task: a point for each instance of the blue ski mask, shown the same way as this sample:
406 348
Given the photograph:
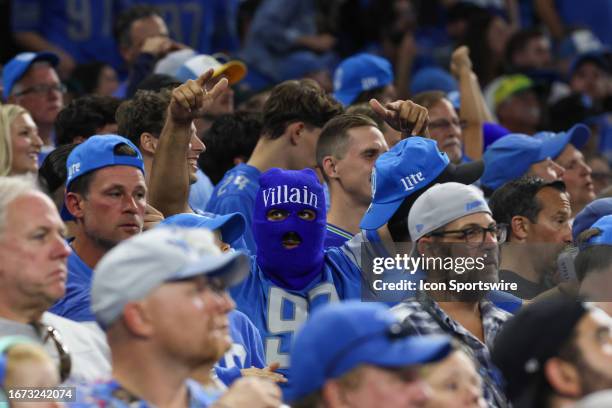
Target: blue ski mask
289 226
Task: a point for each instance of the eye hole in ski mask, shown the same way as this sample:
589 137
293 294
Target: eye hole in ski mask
289 226
291 239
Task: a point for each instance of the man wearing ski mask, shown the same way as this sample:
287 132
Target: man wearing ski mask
291 274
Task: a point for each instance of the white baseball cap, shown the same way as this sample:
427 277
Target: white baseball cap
442 204
132 269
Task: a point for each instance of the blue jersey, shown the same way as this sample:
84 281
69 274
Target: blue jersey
246 351
84 28
207 26
336 236
236 192
278 313
200 191
76 303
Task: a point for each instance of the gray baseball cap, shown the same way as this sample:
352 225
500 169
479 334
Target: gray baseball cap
443 204
131 270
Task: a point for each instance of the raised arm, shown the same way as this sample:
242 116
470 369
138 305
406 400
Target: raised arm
169 182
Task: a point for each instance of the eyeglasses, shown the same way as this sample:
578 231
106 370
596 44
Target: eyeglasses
64 355
445 124
394 332
476 234
42 89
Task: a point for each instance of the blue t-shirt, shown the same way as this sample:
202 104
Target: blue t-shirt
200 191
246 350
336 236
84 28
278 313
236 192
76 303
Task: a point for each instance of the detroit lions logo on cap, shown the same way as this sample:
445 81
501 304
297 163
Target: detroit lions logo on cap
474 204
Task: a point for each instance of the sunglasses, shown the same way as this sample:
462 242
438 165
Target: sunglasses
50 333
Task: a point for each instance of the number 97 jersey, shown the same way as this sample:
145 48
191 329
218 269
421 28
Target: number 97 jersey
278 312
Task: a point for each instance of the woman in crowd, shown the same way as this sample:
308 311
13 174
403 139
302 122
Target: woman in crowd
19 141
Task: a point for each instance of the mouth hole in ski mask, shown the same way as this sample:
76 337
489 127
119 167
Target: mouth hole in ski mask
291 240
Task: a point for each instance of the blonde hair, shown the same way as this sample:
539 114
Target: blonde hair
19 355
8 113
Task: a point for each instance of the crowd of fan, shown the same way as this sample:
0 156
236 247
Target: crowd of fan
193 195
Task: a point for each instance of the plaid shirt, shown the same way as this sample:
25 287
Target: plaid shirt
417 313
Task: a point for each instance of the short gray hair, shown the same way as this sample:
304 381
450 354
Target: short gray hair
10 189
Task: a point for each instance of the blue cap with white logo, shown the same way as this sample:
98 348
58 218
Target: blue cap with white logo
407 168
95 153
17 67
359 73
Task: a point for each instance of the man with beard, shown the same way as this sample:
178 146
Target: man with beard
554 352
292 274
452 221
162 299
537 214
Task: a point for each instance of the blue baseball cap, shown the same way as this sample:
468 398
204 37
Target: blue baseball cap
231 225
361 72
341 336
17 67
433 79
510 157
407 168
590 214
492 132
598 57
604 224
577 135
95 153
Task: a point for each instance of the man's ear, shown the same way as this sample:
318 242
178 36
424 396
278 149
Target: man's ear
563 377
295 131
424 245
519 228
148 143
333 395
74 204
328 166
137 319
